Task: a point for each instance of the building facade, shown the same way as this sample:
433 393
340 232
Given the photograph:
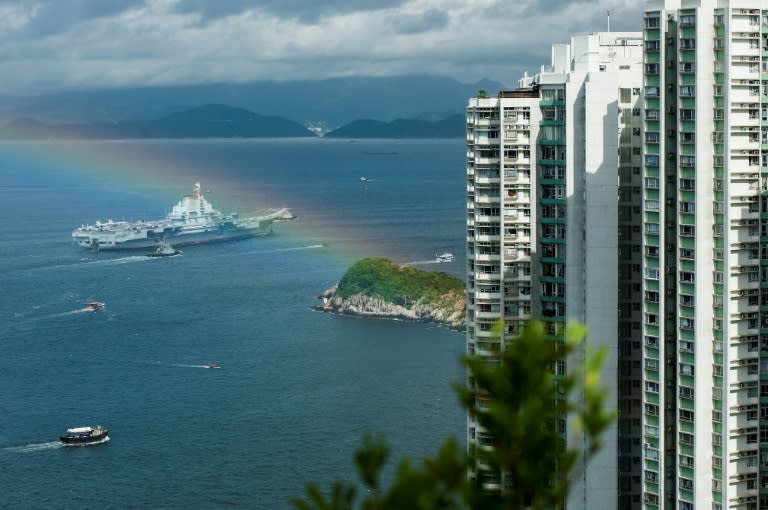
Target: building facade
553 195
705 247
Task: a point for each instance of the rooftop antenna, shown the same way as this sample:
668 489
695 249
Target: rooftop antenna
609 20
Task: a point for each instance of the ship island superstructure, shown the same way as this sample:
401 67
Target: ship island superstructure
193 220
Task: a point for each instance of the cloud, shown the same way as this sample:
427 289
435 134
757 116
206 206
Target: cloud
48 44
307 11
431 19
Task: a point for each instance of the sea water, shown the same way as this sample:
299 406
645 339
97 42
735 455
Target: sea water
296 390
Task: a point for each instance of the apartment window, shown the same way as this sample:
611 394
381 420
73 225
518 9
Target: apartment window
652 273
687 160
687 253
687 90
687 184
687 276
686 323
651 69
651 205
652 182
652 296
687 230
688 207
686 438
687 43
652 22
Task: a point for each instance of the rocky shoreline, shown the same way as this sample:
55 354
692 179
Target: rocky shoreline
448 309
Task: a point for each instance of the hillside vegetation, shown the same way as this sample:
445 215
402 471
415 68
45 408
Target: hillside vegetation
402 285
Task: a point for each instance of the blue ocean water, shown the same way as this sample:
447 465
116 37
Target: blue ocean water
296 389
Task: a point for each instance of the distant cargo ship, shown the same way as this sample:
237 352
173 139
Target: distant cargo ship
192 220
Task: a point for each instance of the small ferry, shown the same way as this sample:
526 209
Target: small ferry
93 306
445 257
80 436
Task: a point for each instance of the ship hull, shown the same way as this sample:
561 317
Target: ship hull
176 238
193 220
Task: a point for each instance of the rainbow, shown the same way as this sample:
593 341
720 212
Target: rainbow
162 177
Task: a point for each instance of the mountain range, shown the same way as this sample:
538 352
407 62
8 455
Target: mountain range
330 102
223 121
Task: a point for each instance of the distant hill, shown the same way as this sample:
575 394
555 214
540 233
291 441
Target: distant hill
208 121
450 127
334 102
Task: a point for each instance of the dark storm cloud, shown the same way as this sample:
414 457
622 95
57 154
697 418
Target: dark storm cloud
305 10
424 22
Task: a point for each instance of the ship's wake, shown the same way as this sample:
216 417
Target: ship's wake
184 365
35 447
64 314
422 262
120 260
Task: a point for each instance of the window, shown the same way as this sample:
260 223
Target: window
652 22
651 205
652 273
652 182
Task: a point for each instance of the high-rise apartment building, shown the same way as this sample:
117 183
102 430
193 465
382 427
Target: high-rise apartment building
705 247
547 165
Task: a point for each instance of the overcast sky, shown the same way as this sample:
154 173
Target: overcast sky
50 45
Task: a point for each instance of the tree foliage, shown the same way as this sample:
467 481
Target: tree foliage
397 284
518 402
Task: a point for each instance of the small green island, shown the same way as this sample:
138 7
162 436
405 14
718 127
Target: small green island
377 287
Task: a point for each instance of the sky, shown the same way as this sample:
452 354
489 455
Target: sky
52 45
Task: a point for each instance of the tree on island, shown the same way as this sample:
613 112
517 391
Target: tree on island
518 403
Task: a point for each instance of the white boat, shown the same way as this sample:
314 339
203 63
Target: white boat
192 220
80 436
93 306
445 257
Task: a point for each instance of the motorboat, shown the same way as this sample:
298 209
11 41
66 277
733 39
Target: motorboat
93 306
214 365
81 436
445 257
